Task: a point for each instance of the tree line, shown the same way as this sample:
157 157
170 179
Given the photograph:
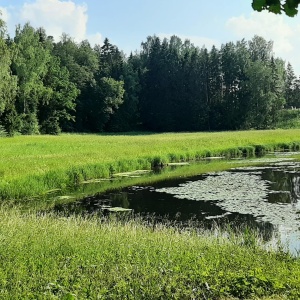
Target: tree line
169 85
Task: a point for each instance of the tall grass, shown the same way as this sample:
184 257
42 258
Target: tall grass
47 257
31 165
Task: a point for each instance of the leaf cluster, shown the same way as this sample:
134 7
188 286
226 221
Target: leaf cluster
289 7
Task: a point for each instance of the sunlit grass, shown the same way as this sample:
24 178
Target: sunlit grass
34 164
48 257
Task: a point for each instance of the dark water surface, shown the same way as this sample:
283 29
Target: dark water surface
266 198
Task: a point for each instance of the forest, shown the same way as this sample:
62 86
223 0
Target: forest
48 87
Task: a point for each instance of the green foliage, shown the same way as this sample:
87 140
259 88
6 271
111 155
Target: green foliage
11 120
54 112
111 61
8 82
187 88
78 64
97 75
126 118
30 65
79 59
29 123
173 95
235 61
292 88
3 132
50 126
289 7
170 85
112 93
289 118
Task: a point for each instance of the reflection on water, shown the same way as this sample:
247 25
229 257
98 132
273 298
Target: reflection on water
264 198
286 181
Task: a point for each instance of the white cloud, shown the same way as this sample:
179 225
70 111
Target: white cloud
196 40
95 39
273 27
56 17
4 15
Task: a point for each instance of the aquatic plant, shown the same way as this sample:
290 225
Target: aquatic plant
242 191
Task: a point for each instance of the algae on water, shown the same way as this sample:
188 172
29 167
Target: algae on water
243 192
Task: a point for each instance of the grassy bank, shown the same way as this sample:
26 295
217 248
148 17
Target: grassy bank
46 257
32 165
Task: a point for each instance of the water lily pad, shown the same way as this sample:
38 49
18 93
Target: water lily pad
179 164
118 209
136 173
66 197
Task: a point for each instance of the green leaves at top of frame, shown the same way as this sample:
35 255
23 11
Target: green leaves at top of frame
290 7
271 5
258 5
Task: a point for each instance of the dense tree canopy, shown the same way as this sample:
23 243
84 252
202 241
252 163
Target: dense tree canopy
8 82
169 85
289 7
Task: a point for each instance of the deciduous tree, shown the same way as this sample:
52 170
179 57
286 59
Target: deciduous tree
8 84
30 65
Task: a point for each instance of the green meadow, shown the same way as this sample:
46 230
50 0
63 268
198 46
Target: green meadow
33 165
48 256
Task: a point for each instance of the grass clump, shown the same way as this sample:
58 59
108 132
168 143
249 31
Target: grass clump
46 257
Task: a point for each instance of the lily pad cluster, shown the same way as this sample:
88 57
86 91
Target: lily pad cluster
241 192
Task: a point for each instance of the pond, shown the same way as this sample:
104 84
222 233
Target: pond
266 198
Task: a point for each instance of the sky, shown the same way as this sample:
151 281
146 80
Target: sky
127 23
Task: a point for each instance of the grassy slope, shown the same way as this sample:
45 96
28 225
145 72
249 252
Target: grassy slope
34 164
